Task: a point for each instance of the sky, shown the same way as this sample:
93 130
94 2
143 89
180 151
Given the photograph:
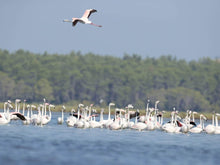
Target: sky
188 29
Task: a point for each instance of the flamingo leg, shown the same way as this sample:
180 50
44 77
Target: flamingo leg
95 25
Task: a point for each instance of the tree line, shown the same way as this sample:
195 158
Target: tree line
76 77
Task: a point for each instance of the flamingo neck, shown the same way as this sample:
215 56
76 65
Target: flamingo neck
62 115
213 120
200 120
23 108
147 109
78 113
18 108
136 119
8 115
216 121
5 107
15 106
128 117
49 114
28 115
101 116
109 112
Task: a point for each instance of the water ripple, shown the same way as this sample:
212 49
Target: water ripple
59 144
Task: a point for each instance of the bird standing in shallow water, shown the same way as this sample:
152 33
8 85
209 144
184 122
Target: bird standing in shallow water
84 19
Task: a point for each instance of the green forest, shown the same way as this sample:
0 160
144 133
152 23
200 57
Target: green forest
131 79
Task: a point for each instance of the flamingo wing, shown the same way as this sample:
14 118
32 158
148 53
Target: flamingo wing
19 115
88 12
74 22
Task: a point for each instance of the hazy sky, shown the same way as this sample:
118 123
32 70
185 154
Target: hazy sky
188 29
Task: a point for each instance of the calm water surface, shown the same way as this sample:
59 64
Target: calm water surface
59 144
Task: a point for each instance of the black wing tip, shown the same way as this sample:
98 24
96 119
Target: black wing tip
20 116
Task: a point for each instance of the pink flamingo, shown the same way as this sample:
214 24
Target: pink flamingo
84 19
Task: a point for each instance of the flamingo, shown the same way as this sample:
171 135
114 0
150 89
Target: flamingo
28 119
33 115
144 118
186 122
124 119
45 119
109 121
17 109
71 120
80 122
210 129
174 126
116 125
160 117
139 125
200 127
60 119
23 107
149 121
217 127
157 124
84 19
93 123
130 123
101 121
5 117
36 119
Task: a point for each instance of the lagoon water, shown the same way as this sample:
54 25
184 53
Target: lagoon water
58 144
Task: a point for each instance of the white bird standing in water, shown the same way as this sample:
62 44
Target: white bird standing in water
61 119
84 19
5 117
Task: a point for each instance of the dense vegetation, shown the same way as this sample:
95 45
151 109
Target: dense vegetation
75 77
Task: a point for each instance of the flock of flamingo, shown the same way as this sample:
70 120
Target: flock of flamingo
86 117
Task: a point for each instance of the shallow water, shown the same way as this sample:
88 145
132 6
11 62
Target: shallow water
58 144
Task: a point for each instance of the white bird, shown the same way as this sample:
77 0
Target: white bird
36 118
144 118
217 127
84 19
6 116
17 109
23 107
200 127
28 119
117 122
93 123
210 129
109 120
61 119
71 120
80 123
101 121
45 119
138 125
129 123
172 126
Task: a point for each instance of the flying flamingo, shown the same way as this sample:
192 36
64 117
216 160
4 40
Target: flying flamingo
84 19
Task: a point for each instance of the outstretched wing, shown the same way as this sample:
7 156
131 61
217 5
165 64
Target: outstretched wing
19 115
88 12
74 22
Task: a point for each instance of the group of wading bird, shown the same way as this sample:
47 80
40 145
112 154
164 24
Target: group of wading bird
86 116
